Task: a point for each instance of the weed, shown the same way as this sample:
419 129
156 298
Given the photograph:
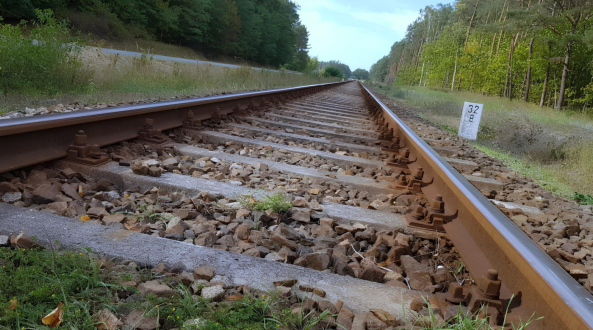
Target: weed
45 61
463 320
308 321
246 313
555 148
117 78
583 199
277 202
302 319
147 212
40 279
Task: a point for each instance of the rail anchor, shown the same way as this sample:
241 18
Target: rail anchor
83 153
150 135
190 123
432 218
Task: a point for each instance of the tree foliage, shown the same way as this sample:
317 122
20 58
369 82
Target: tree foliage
45 61
265 31
344 68
330 71
539 51
360 74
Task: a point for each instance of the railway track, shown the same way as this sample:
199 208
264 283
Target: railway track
378 219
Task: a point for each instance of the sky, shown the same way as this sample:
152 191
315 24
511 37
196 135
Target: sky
357 32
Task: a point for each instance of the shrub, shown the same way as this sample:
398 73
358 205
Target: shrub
43 62
330 71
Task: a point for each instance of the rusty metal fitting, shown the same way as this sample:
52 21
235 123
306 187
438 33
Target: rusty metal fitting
396 141
83 153
80 138
405 153
151 135
489 284
402 160
418 213
190 123
455 294
415 187
401 181
418 173
148 123
437 205
435 217
392 157
388 136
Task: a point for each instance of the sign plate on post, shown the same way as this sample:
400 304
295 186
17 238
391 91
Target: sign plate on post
470 120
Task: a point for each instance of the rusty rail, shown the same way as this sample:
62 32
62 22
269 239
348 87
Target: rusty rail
487 239
33 140
484 236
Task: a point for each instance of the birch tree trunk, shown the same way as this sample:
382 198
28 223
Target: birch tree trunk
528 76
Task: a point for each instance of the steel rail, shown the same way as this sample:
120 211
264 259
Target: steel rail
486 238
37 139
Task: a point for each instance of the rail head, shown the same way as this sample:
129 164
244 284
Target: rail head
571 302
37 139
33 123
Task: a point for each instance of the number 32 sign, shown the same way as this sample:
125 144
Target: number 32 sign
470 120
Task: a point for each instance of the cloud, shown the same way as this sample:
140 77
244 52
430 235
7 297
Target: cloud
352 33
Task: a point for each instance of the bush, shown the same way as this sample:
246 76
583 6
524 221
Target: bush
44 62
330 71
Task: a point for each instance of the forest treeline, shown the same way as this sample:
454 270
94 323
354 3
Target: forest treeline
540 51
268 32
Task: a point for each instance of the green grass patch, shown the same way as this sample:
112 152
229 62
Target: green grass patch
545 177
278 202
37 280
553 147
40 279
583 199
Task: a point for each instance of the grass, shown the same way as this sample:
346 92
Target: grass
463 320
147 47
546 176
34 281
278 202
553 147
114 78
39 279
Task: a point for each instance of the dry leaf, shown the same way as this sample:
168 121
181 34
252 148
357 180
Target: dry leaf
385 263
233 297
13 304
251 200
106 320
23 242
54 318
134 227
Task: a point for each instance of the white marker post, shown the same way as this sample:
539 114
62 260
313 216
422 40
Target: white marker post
470 120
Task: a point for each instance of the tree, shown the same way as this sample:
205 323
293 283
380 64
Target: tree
568 20
345 69
517 49
360 74
265 31
380 69
225 26
330 71
301 59
312 65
